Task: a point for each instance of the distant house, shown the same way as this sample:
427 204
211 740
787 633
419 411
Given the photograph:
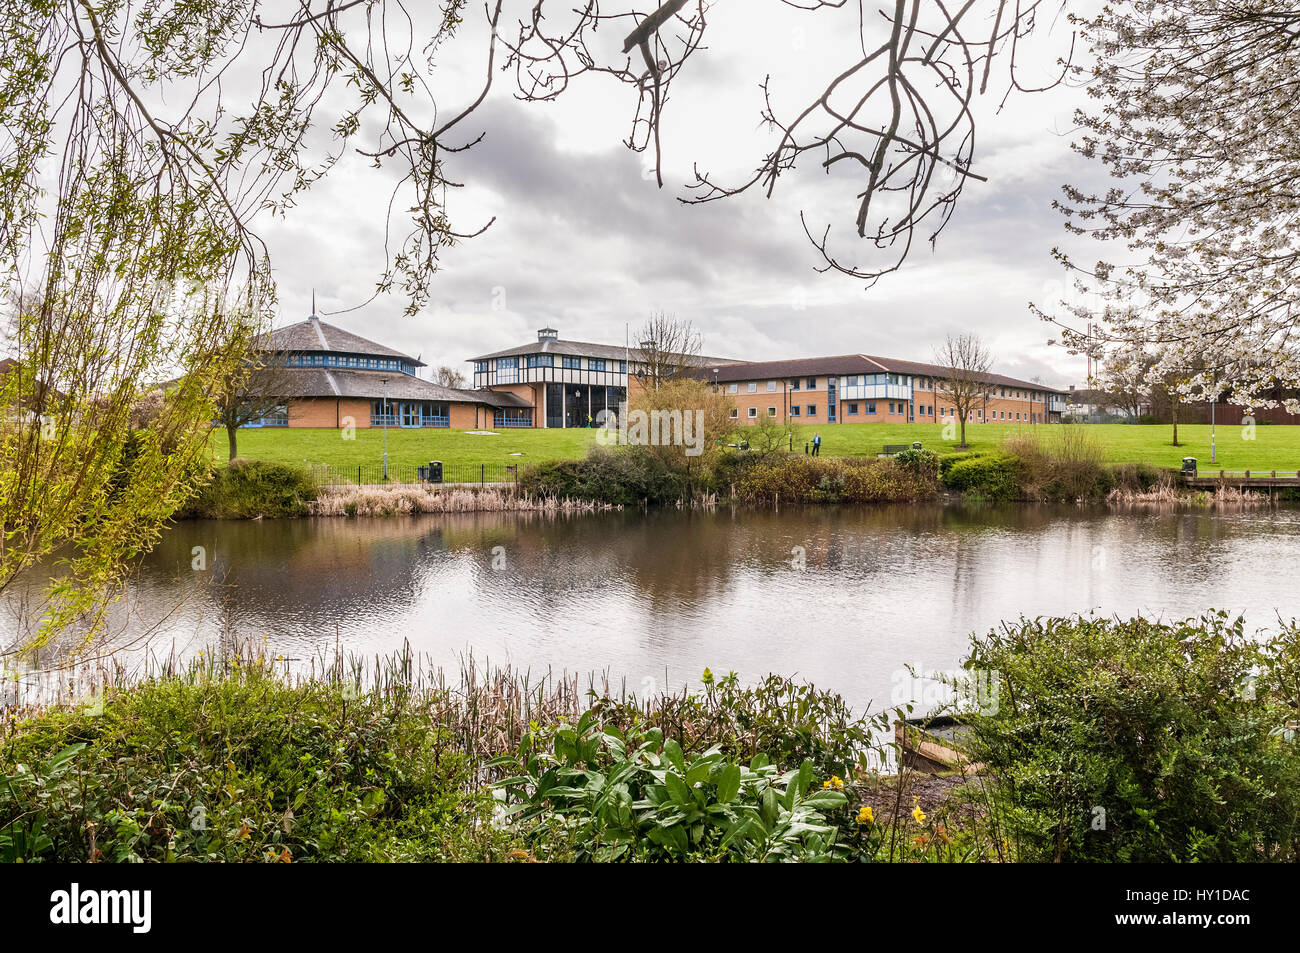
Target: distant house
333 378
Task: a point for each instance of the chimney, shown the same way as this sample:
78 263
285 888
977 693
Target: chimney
548 334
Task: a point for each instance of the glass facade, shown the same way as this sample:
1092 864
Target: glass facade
409 413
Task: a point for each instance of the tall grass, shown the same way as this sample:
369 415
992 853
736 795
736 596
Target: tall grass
1065 464
407 499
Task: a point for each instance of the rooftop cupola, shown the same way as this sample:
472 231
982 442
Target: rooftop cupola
548 334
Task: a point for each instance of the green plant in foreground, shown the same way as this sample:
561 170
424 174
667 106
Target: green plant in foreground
1135 740
632 795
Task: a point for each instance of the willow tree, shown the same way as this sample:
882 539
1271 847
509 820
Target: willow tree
140 146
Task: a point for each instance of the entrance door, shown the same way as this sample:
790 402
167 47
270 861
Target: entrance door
411 414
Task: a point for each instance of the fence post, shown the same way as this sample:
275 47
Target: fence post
482 474
358 474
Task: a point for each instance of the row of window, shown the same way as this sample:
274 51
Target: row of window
852 408
277 416
512 417
508 364
353 361
873 380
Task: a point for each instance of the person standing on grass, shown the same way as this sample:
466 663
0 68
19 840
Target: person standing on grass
817 445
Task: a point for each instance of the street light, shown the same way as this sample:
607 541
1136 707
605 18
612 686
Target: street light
384 383
1214 399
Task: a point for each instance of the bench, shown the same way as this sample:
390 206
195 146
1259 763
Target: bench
891 449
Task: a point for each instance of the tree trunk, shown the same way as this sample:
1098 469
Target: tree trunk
962 445
1173 413
232 434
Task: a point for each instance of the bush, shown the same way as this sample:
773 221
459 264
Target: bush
240 761
244 489
798 478
918 461
1138 741
993 477
790 722
240 768
614 477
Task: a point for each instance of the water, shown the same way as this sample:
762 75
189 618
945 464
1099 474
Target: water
654 599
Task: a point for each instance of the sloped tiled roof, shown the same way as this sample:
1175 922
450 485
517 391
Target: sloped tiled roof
338 382
844 364
315 335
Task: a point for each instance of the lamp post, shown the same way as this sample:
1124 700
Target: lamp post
384 383
1214 399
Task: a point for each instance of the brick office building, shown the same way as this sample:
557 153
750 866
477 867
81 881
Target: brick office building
860 388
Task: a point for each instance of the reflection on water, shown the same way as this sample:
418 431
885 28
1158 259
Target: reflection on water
666 594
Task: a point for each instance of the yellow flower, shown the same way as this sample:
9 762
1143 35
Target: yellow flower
865 816
834 782
918 815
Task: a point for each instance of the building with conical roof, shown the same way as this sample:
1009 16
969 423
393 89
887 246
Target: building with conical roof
333 378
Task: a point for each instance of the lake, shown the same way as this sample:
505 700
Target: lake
843 597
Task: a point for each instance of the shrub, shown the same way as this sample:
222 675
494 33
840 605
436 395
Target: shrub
1141 741
791 722
918 461
244 489
616 477
948 460
241 768
798 478
994 477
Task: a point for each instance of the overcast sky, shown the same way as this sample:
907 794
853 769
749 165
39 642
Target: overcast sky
584 242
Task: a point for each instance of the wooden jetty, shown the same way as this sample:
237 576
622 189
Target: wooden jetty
1242 479
933 745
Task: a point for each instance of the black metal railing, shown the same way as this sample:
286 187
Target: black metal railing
375 475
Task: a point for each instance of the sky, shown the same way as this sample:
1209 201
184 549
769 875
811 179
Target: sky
584 240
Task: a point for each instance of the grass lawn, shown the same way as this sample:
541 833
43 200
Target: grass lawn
1274 447
405 447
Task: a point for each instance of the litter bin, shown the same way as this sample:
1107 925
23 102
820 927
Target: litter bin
1189 466
916 445
422 474
435 471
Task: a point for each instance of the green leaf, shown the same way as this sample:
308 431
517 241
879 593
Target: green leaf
729 784
678 790
825 800
673 752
